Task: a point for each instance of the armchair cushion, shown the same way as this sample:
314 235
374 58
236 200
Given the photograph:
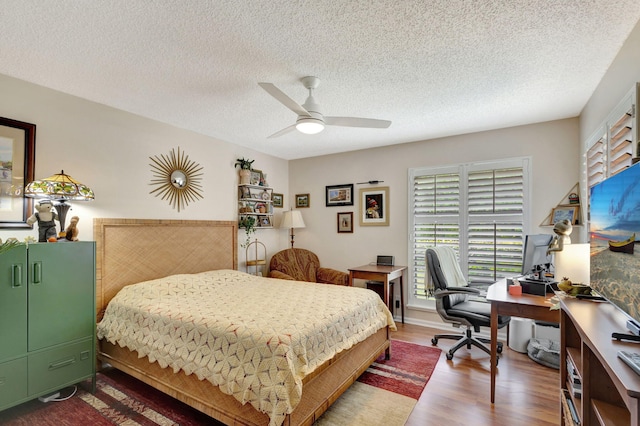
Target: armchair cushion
332 276
303 265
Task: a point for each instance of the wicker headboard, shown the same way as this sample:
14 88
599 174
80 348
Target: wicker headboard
134 250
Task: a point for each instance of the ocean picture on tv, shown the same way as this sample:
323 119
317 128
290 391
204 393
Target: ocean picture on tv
614 226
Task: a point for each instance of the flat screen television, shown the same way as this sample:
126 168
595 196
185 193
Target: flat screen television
614 223
535 261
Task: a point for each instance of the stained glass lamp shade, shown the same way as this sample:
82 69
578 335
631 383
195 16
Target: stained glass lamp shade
59 188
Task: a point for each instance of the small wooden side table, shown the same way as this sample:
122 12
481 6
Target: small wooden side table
385 274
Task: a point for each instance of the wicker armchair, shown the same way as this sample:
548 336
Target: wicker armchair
303 265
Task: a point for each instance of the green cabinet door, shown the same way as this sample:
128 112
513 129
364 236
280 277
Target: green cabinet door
61 293
13 302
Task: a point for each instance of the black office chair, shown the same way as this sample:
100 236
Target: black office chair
453 307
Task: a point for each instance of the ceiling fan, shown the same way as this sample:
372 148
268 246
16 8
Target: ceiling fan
310 119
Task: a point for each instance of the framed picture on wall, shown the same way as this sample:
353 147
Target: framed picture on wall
374 206
17 163
277 199
339 195
302 200
345 222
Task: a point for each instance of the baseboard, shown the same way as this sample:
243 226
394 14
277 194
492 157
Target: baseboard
484 331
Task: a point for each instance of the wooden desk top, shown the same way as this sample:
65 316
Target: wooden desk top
595 322
377 268
498 293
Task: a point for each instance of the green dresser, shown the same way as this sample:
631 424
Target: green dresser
47 319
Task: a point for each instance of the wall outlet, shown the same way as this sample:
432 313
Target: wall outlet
49 398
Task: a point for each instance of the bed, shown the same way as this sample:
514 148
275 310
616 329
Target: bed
130 251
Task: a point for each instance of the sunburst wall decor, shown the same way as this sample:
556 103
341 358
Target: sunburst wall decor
177 178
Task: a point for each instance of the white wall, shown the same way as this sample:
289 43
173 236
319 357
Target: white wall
109 150
623 73
553 147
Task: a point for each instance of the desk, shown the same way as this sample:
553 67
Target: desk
524 306
386 274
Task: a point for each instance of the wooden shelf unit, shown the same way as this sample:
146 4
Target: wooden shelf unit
565 202
610 388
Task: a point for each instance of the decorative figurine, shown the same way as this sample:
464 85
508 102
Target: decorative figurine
46 220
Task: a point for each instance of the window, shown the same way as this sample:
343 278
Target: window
481 205
613 146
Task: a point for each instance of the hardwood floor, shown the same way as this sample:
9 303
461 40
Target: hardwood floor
458 392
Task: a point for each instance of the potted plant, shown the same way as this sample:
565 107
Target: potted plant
245 170
248 223
8 245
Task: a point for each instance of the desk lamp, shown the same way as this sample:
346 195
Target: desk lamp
292 219
59 188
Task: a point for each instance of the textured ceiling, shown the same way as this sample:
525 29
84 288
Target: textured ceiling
434 68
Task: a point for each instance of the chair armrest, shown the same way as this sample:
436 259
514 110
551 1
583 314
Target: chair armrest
280 275
332 276
455 290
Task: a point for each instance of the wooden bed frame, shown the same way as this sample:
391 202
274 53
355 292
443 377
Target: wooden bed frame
134 250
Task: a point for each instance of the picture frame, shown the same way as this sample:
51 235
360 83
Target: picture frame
264 221
564 212
339 195
302 201
256 177
345 222
374 206
277 199
17 165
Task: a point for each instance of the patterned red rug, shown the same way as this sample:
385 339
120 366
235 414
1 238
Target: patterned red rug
407 372
122 400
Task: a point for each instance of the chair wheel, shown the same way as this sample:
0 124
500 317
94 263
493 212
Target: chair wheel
449 356
499 349
434 341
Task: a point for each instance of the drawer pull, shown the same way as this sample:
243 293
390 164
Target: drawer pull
63 363
16 277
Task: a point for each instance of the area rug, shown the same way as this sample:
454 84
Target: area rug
385 394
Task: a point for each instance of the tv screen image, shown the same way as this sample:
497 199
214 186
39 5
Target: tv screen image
614 221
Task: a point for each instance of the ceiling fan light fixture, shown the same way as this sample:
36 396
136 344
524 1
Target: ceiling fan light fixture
309 125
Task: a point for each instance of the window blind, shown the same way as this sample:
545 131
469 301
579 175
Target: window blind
436 211
613 147
496 199
478 210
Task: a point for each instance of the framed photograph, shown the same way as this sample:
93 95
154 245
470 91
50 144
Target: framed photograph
345 222
339 195
17 163
374 206
256 177
264 221
302 200
277 200
564 212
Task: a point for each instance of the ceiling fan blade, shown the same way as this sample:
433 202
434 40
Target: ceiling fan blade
283 131
357 122
284 99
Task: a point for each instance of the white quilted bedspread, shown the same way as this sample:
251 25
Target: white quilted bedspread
255 338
